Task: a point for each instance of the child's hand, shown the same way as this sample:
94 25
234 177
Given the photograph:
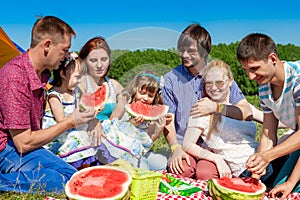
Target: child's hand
156 127
95 132
169 119
137 120
101 107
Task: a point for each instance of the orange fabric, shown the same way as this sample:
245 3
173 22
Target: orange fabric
7 48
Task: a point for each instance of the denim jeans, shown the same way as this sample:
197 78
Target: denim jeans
287 170
37 171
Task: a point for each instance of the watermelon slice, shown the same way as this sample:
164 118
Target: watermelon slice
149 112
235 188
95 100
99 182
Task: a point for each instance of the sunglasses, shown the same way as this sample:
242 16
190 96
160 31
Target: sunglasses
218 84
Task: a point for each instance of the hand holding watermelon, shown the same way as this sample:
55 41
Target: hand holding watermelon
81 118
156 127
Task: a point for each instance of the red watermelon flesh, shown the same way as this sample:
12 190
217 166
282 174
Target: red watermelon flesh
95 100
99 182
149 112
239 184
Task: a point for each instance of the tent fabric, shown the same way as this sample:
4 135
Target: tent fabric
8 49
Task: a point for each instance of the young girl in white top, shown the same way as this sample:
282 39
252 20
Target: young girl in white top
74 146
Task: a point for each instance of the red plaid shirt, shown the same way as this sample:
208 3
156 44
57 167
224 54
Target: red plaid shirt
22 97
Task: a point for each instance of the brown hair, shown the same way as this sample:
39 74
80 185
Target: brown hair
67 67
50 27
145 80
94 43
256 46
195 32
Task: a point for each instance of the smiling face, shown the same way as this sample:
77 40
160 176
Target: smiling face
217 84
190 56
260 71
97 63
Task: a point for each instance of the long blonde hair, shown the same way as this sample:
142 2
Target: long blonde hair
215 119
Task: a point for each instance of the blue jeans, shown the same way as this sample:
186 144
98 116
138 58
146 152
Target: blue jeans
37 171
287 169
269 171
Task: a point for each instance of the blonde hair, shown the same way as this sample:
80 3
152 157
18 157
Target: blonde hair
145 80
215 119
219 64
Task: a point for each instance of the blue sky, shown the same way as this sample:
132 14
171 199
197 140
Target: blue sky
131 24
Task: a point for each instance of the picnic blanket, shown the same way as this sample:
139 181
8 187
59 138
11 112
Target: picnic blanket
203 195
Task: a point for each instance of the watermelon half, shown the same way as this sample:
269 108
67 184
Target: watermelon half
99 182
149 112
235 188
95 100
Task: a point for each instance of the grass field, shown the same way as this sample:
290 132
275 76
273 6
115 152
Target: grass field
159 145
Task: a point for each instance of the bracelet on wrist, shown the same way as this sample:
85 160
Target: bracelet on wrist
220 107
175 146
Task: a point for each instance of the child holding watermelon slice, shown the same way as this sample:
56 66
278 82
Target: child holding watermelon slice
74 146
134 134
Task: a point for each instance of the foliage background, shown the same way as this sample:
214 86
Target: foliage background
126 63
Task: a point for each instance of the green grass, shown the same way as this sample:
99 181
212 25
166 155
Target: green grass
160 145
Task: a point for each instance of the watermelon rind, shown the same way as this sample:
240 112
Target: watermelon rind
122 195
83 107
218 192
147 118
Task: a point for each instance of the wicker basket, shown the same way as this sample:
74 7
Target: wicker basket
145 185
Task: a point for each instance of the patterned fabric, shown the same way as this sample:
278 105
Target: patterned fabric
111 101
284 108
234 143
125 141
182 90
21 97
203 195
74 144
